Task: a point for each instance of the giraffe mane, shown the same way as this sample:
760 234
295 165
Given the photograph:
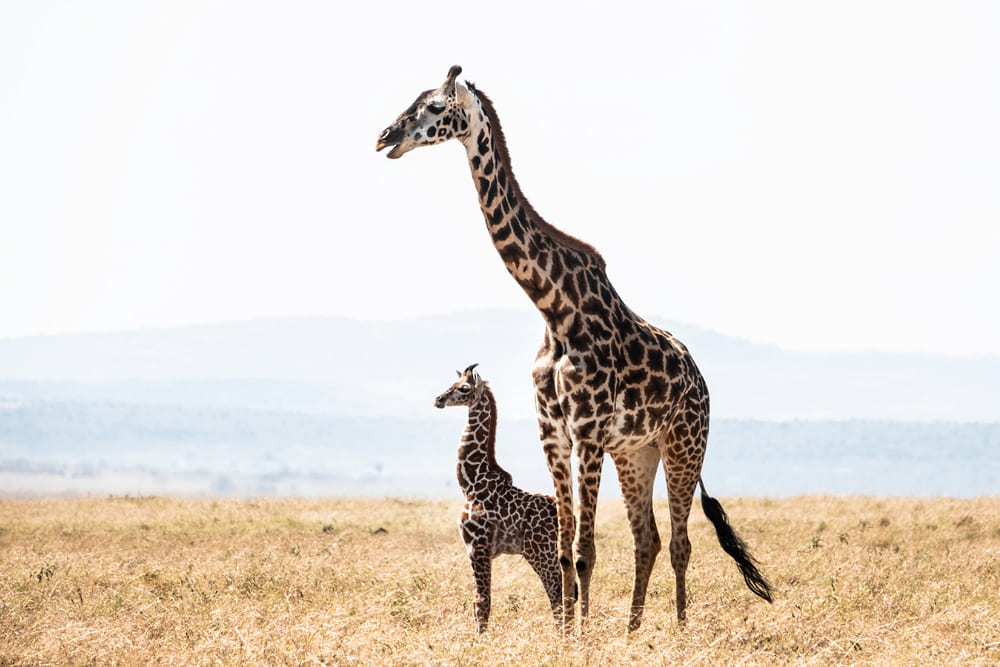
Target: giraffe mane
553 232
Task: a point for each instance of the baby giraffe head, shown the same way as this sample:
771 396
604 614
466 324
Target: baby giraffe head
465 391
434 117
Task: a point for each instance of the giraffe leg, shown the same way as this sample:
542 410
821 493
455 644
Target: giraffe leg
558 447
544 560
682 449
636 475
482 566
559 468
680 545
591 462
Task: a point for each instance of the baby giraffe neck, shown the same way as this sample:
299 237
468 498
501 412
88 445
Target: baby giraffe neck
477 451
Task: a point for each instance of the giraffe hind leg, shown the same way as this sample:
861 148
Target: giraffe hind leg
680 497
541 548
682 449
545 563
636 474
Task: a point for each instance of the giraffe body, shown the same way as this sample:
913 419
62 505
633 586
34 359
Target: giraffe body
606 381
499 518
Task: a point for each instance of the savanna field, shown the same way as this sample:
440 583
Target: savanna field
147 580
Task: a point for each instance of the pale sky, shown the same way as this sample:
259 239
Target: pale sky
815 175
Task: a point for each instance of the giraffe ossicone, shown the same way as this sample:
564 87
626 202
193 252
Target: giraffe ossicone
606 381
498 518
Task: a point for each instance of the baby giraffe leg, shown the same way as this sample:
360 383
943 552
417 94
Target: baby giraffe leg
482 563
544 560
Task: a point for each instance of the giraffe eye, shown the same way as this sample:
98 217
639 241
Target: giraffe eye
435 108
465 389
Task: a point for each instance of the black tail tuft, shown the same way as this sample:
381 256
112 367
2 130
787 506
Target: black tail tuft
735 547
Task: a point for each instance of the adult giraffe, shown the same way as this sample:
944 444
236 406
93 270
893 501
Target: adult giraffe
606 381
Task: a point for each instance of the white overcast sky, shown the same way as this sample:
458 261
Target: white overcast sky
816 175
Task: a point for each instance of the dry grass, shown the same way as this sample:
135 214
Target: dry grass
153 580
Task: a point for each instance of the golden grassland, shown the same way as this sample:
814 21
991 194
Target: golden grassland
127 580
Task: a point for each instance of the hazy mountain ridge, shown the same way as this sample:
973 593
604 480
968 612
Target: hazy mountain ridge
394 368
84 446
329 406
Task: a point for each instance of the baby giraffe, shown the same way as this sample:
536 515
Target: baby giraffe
499 518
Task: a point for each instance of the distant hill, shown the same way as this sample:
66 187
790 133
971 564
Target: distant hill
101 447
338 366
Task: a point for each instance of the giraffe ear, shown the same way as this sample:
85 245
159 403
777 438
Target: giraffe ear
462 93
448 87
458 373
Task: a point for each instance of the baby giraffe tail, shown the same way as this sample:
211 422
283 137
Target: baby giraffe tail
734 546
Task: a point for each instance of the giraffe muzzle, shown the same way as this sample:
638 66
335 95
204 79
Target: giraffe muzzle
391 136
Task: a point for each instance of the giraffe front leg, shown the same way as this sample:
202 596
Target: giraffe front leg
591 461
482 570
559 467
558 447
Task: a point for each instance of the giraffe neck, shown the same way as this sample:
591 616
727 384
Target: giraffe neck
560 274
477 451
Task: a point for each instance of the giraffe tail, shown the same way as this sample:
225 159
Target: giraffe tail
733 545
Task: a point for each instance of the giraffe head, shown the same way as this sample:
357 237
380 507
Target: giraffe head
465 391
434 117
